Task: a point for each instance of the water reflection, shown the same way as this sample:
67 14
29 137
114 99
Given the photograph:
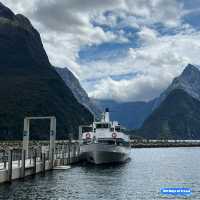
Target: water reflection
140 178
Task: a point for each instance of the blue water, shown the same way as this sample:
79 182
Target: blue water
140 178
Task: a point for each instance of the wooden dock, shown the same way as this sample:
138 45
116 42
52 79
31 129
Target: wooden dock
16 163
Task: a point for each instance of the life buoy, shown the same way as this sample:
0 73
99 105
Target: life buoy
88 136
114 135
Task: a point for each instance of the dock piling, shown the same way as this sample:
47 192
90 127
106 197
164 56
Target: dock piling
23 155
43 163
34 161
69 152
4 160
10 157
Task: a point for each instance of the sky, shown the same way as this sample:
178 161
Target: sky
122 50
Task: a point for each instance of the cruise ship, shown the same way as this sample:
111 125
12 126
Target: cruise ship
103 141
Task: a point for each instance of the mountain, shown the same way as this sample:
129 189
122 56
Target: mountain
129 114
73 83
177 117
176 111
132 115
189 81
29 85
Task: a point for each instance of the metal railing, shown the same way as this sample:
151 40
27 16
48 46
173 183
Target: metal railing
68 151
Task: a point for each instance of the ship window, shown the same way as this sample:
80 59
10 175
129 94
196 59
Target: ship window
112 129
102 125
117 128
86 129
106 141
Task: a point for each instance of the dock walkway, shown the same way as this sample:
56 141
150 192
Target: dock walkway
17 164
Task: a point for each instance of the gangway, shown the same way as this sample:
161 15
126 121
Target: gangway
26 133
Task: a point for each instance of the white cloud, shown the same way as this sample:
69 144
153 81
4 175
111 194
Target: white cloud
68 25
147 35
155 65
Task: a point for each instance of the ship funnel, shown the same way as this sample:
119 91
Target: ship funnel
107 116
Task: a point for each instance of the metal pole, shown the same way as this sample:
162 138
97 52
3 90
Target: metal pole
74 152
34 161
10 154
4 159
23 163
69 149
52 140
43 163
78 150
80 133
26 135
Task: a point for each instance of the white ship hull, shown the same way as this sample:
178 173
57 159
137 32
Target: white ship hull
98 153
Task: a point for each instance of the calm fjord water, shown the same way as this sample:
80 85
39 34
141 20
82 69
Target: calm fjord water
140 178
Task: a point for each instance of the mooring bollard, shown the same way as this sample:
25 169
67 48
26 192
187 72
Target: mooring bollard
10 155
23 168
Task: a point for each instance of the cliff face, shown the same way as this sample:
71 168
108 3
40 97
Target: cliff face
82 97
20 43
29 85
176 111
177 117
189 81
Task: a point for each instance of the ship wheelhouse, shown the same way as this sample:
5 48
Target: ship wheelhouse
110 133
104 132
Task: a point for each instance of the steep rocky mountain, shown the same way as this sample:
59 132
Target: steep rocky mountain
189 81
129 114
177 117
176 111
29 85
133 114
73 83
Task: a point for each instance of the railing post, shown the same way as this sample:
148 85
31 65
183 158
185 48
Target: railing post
73 153
51 159
4 159
34 161
23 163
75 147
19 158
77 152
65 154
10 155
52 140
43 163
69 152
78 149
31 156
